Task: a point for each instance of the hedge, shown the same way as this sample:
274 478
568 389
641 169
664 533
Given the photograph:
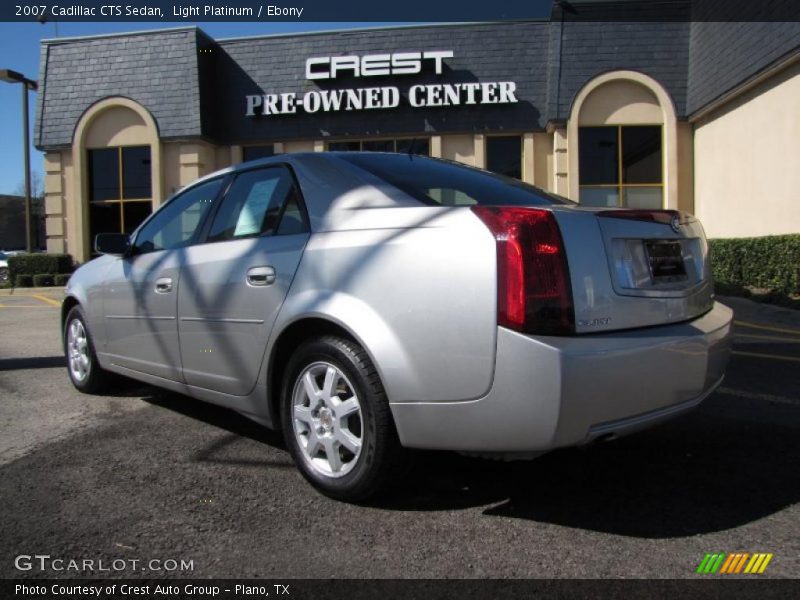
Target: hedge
35 264
61 279
771 262
23 281
43 280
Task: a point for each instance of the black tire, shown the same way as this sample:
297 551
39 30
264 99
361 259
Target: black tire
382 460
96 379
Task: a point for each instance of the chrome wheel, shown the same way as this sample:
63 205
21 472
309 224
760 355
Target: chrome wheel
80 361
327 420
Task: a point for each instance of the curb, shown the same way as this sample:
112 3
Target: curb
28 290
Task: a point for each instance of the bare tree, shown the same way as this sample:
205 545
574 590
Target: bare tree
37 186
37 208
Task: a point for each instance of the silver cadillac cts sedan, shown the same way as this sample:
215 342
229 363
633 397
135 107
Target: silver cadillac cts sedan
367 304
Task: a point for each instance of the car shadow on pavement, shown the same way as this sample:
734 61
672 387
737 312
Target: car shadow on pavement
224 450
217 416
729 463
702 473
33 362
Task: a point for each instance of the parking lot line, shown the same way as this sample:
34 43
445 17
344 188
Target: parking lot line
768 327
46 299
23 306
757 396
769 356
785 340
48 302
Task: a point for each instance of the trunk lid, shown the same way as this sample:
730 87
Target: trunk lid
634 268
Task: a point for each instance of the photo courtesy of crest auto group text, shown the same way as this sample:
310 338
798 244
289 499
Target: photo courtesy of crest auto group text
373 301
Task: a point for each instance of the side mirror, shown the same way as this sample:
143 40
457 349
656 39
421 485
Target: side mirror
112 243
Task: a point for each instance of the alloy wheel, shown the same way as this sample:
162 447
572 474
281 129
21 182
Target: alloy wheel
80 361
327 419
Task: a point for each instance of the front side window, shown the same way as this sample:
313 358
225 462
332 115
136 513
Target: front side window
621 165
120 192
176 224
257 203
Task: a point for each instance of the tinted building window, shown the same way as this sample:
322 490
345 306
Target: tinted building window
414 146
104 174
344 146
120 188
134 213
504 155
377 146
621 166
641 155
136 172
256 152
419 146
104 217
598 155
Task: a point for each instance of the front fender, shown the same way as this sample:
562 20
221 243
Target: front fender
86 287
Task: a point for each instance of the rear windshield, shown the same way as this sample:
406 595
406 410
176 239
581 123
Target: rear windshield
444 183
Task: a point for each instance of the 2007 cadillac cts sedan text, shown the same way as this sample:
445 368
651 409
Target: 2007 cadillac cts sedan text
370 303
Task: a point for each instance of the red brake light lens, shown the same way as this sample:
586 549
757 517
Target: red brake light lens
533 287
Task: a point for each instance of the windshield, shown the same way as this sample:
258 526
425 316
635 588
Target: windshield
444 183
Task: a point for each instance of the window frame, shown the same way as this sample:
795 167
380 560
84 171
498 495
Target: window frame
205 228
620 187
120 199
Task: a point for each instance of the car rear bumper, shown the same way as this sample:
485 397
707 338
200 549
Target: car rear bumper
550 392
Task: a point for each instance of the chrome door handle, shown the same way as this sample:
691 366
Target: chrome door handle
163 285
260 276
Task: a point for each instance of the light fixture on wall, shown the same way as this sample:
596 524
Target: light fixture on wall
10 76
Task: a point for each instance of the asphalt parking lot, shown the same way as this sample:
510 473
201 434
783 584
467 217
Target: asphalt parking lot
145 474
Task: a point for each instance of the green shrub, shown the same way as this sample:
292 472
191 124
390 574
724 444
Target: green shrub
43 280
35 264
23 281
61 279
771 263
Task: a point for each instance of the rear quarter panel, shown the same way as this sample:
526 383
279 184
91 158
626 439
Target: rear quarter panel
415 285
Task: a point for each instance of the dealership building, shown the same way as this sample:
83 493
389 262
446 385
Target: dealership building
658 112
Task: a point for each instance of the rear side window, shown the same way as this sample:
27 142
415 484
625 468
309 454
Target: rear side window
443 183
259 202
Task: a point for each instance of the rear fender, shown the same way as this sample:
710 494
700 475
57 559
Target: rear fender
365 325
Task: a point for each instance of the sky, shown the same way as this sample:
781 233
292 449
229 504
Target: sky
19 51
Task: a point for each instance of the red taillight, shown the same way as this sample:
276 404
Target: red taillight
533 289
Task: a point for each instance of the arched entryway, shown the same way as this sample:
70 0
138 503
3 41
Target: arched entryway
622 143
117 154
